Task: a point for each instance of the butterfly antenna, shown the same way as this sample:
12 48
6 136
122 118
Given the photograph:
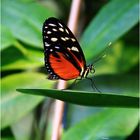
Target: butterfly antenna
103 54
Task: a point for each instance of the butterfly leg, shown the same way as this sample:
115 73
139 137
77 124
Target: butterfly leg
74 83
93 84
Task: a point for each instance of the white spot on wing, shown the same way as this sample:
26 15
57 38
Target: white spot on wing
61 29
54 29
52 24
46 27
60 24
66 38
49 32
54 39
63 38
46 44
45 36
67 31
74 49
73 39
57 47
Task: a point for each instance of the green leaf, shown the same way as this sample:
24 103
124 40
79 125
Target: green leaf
7 138
114 124
119 84
76 113
118 59
86 98
113 21
22 58
7 39
9 52
14 105
23 129
25 25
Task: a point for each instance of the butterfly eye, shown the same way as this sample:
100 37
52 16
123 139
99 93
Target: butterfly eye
92 70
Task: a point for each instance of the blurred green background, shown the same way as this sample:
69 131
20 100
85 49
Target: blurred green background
28 117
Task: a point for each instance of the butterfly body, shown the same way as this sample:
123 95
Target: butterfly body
64 58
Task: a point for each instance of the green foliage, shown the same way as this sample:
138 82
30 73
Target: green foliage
87 98
8 39
22 129
114 19
126 99
28 23
116 73
108 124
7 139
12 101
23 58
120 58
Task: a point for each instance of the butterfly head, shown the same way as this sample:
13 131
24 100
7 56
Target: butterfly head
88 69
91 68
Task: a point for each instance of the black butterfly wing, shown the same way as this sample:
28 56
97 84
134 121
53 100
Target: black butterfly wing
64 58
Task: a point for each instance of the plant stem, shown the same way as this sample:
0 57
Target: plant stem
59 105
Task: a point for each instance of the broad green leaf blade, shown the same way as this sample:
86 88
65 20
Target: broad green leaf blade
113 20
8 138
13 102
7 39
27 59
87 98
120 84
76 113
11 51
23 129
113 124
26 25
118 59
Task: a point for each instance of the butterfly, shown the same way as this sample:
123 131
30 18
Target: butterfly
64 58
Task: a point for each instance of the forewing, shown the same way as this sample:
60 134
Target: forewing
64 58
